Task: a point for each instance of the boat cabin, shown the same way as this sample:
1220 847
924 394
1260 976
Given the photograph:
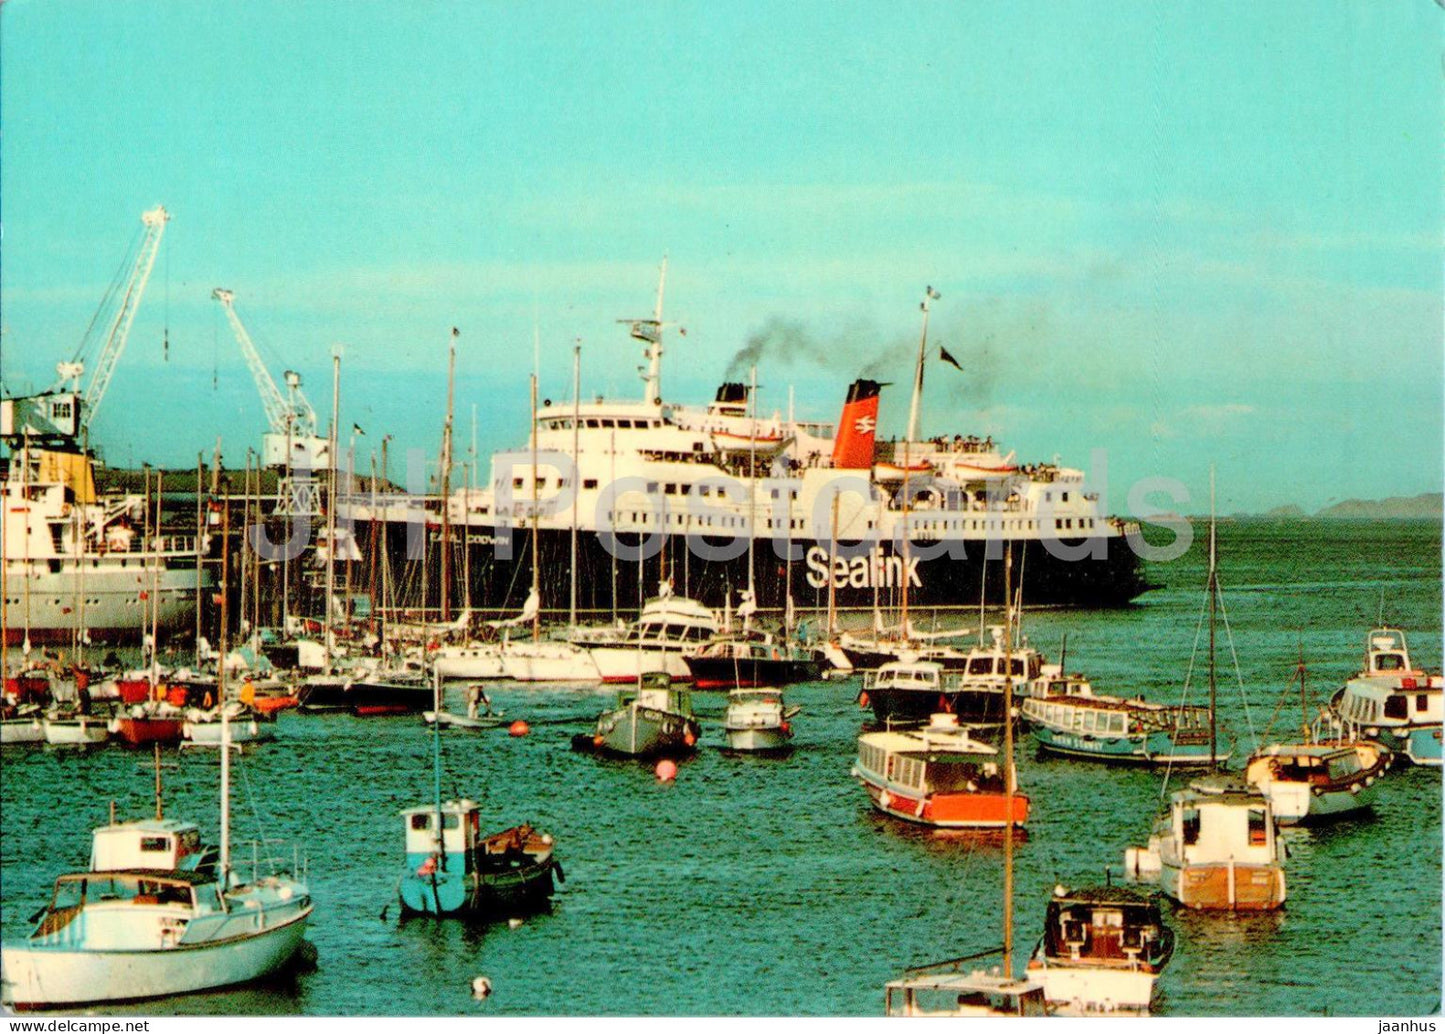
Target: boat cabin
1218 822
655 690
152 844
1386 653
959 993
1381 701
1107 927
938 758
454 828
925 676
109 899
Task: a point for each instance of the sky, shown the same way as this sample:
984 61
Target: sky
1165 236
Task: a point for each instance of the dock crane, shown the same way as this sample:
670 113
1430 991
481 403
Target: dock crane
292 440
64 412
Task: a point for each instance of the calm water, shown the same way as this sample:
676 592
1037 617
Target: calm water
767 886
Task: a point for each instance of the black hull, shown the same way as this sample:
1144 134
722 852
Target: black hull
973 707
365 698
728 672
939 575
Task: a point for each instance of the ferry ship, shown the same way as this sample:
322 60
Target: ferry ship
719 498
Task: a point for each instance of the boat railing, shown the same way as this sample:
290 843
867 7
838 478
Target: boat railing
273 863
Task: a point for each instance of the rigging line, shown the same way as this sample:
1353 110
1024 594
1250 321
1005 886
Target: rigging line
1238 676
1194 651
251 800
107 299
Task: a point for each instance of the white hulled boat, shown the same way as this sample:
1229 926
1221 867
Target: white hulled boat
668 629
653 718
1393 701
757 719
1102 950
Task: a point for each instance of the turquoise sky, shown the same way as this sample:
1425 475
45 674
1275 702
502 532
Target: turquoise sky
1181 233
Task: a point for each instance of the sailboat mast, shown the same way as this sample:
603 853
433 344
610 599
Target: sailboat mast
436 754
832 558
446 481
1008 776
536 561
576 481
331 510
221 692
1213 599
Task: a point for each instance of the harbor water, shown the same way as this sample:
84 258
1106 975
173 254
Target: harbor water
767 886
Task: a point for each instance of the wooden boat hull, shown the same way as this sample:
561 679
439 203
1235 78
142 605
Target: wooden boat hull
1225 886
43 977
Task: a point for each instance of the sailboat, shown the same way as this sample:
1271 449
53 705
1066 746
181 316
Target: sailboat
952 988
453 869
1217 845
155 915
1322 775
538 659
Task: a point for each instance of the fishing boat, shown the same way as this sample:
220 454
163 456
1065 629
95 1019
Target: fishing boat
1392 701
1216 847
653 718
451 868
668 629
1102 950
1322 775
939 775
1069 719
757 719
149 920
955 987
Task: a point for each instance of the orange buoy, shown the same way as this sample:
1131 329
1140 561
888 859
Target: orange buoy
666 771
597 741
689 738
519 728
863 699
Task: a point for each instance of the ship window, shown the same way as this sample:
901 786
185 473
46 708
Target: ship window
155 843
1390 662
421 820
1191 826
593 422
1258 834
1421 701
651 487
1064 496
1396 707
516 482
451 821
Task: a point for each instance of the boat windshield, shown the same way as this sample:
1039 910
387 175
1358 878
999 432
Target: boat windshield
134 888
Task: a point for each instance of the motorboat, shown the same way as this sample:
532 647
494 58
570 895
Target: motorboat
757 719
939 775
668 629
1102 950
1394 702
653 718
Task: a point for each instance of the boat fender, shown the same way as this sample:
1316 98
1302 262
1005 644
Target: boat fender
481 987
207 703
1316 790
884 799
1369 780
863 698
1354 788
428 867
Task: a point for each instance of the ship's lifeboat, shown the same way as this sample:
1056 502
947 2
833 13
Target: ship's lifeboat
767 445
888 473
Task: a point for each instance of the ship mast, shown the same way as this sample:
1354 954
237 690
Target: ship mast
650 331
1008 774
536 565
929 294
1213 598
752 493
576 479
330 511
446 481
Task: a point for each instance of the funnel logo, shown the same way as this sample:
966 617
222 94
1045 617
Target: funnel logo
865 424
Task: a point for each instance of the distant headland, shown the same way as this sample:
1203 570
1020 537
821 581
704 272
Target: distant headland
1425 506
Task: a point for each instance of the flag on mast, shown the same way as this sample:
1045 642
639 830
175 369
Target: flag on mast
947 357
